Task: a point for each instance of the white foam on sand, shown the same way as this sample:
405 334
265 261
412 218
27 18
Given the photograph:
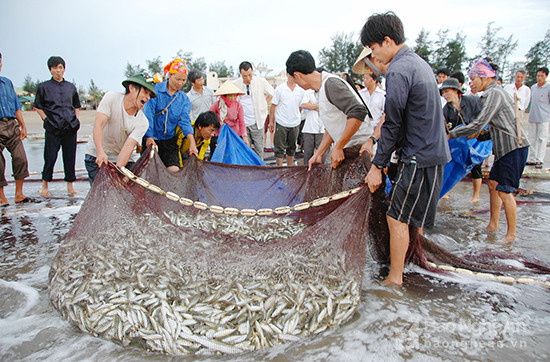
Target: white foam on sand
31 299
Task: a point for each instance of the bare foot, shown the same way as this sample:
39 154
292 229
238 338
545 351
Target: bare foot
19 198
509 238
473 199
392 283
446 196
45 193
70 189
491 227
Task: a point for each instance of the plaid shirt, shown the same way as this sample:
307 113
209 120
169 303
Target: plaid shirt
498 112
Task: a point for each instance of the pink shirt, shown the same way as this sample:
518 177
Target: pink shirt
234 117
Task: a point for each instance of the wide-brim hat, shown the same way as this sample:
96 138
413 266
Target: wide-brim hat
451 83
140 79
360 67
228 88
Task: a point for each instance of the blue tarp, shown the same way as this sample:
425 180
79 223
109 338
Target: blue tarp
465 155
232 149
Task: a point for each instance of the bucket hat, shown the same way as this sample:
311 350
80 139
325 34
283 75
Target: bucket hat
450 83
140 79
228 88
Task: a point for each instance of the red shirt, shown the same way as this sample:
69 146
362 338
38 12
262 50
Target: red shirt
234 117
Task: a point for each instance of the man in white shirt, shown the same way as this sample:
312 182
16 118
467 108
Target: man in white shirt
539 117
374 97
285 112
523 94
314 129
201 96
257 94
119 126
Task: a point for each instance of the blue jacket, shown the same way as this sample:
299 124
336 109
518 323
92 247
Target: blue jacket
162 126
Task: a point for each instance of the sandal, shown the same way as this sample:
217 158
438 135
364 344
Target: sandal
538 165
28 200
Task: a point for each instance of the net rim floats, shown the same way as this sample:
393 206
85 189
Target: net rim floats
500 278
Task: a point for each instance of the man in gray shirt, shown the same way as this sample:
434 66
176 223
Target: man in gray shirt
201 96
414 127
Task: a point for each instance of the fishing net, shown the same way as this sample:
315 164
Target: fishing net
145 267
222 258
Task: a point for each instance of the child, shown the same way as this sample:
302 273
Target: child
229 111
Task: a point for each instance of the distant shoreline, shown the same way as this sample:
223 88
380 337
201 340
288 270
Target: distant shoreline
35 127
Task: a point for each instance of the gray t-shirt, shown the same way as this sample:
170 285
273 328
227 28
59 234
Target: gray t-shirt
540 103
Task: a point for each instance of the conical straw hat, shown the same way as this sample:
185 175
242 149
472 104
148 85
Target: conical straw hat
360 67
228 88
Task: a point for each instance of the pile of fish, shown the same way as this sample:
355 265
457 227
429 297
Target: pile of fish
259 229
189 292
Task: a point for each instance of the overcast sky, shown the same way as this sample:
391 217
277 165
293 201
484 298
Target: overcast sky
98 37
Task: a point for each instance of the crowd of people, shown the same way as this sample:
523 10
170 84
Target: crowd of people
404 126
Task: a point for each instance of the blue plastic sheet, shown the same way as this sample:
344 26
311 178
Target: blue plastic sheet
232 149
465 155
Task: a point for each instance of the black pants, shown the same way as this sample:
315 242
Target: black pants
66 140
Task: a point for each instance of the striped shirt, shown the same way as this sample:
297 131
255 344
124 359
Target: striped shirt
498 112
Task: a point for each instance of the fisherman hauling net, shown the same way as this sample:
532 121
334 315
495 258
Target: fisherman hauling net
223 258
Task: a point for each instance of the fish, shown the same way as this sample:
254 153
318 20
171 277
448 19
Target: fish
165 293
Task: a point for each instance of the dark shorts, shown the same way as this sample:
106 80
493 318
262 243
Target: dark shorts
169 151
476 172
285 140
415 194
508 169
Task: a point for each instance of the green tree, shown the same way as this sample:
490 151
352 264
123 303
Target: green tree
132 70
154 66
456 53
423 45
341 55
496 48
192 63
29 86
440 50
95 93
448 53
222 69
537 56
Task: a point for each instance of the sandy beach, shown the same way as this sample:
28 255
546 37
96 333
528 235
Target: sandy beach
36 130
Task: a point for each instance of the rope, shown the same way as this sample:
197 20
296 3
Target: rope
500 278
231 210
